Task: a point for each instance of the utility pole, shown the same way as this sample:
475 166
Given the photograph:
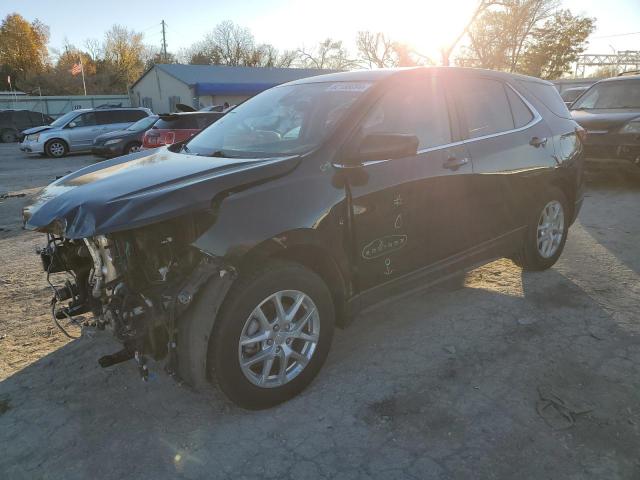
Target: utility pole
164 42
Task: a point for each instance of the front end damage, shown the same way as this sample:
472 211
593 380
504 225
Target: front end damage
138 284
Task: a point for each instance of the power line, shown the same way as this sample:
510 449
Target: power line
617 35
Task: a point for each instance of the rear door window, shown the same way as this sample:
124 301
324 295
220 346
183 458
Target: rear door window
485 107
416 108
107 118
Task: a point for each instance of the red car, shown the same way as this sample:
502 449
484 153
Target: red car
176 127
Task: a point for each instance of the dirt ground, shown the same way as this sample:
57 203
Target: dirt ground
528 376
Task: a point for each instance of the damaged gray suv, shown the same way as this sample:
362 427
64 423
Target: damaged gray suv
232 255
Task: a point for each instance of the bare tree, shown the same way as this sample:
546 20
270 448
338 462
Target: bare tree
482 6
376 50
93 47
327 54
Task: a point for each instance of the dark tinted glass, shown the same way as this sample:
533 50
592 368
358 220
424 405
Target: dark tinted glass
521 113
21 119
189 122
549 96
415 108
485 105
38 118
133 115
613 94
107 117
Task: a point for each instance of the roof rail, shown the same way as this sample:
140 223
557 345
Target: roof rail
110 105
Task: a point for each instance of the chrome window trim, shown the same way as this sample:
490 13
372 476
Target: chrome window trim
536 119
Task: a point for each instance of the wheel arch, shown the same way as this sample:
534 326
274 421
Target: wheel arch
48 142
311 255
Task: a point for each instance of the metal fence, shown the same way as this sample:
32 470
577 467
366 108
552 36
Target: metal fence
55 106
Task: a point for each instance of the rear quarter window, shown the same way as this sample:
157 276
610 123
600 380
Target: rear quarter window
521 113
548 96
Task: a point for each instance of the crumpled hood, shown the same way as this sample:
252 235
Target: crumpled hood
41 128
142 188
609 119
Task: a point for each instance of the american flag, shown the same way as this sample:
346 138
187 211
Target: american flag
76 69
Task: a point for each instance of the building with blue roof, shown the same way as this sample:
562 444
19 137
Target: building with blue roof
163 86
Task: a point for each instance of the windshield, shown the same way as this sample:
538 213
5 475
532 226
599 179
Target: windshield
286 120
615 94
143 124
64 119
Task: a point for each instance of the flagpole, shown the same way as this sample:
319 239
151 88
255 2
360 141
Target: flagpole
84 85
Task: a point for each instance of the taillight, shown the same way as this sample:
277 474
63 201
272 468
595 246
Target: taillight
168 138
582 133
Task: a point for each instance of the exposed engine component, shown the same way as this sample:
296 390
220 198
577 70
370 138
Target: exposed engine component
136 283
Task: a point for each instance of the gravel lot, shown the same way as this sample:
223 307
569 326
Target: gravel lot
528 376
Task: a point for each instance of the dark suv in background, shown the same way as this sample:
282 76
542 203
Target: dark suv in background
13 122
233 255
610 112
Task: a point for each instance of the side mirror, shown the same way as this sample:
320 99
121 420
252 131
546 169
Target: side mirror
384 146
71 124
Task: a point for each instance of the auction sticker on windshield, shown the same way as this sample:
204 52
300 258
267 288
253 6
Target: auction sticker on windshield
348 87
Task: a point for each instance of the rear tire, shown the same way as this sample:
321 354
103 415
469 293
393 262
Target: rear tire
9 136
131 148
547 230
285 340
56 148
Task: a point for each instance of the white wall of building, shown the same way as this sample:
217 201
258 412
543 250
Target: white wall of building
159 87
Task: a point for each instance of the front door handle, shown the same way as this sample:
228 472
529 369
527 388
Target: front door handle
538 142
454 163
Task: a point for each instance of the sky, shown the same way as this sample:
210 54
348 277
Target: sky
288 24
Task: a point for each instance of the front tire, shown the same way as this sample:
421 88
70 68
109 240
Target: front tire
272 335
546 231
56 148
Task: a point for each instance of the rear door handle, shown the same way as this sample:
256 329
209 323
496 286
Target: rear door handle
538 142
454 163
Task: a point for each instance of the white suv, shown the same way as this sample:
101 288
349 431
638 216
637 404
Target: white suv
76 130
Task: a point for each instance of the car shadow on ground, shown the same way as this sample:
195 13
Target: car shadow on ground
444 384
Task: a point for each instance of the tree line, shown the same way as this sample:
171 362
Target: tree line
533 37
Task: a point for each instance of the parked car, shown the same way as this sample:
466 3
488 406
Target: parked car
177 127
235 253
122 142
12 122
75 131
610 112
571 94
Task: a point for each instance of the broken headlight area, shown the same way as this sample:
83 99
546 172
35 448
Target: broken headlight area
136 283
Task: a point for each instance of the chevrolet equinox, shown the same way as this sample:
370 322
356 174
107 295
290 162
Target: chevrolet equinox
232 255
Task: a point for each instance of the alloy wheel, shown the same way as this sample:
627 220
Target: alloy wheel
56 149
550 229
279 339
